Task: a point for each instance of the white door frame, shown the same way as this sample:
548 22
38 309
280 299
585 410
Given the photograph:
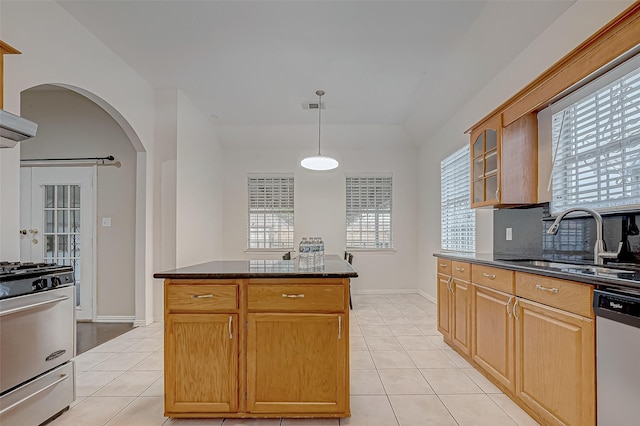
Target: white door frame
26 204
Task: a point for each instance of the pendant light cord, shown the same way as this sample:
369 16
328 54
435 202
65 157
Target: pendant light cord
319 119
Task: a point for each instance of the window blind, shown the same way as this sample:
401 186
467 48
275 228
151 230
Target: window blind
270 213
597 148
369 212
457 221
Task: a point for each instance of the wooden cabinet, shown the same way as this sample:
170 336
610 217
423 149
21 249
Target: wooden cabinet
555 354
445 296
201 363
296 363
504 162
493 334
461 306
257 347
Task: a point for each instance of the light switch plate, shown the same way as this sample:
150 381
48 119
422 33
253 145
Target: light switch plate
509 234
106 221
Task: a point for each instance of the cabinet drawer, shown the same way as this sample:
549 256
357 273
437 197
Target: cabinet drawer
201 298
296 298
461 270
444 266
566 295
496 278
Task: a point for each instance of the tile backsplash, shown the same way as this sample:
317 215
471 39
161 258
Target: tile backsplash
575 239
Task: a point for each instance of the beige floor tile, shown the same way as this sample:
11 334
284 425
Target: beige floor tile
121 361
361 360
355 330
371 320
156 388
419 319
115 345
429 330
358 343
415 343
438 342
476 410
193 422
375 330
143 411
251 422
77 401
141 332
456 358
132 383
147 345
93 411
310 422
388 311
353 320
512 410
431 358
366 382
404 381
364 315
370 410
88 382
445 381
397 321
388 343
359 307
88 360
421 410
405 330
481 381
391 359
155 361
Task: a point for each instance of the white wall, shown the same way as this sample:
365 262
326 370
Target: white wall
320 203
199 187
70 125
579 22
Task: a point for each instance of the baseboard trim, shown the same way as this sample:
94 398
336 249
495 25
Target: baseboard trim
428 297
141 323
388 291
114 318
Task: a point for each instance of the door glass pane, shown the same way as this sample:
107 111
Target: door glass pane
49 221
49 197
63 221
478 191
75 196
49 246
492 140
75 245
492 187
63 246
478 145
75 220
478 168
63 196
492 162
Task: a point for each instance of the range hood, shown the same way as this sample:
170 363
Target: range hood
14 129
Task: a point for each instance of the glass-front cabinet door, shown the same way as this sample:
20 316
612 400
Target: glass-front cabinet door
485 164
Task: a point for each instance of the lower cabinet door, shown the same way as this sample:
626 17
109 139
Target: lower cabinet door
555 364
201 363
493 336
461 306
444 306
297 363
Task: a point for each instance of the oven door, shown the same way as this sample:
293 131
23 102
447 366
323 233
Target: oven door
37 333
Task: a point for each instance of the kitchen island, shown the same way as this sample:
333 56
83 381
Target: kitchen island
257 338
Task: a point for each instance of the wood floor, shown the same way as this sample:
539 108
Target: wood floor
91 334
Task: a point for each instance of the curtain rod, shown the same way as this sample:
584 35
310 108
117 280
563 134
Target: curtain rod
107 158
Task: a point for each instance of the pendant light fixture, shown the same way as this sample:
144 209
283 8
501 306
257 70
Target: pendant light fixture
319 162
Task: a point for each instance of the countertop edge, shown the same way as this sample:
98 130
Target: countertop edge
252 275
539 270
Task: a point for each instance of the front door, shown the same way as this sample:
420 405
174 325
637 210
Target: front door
57 224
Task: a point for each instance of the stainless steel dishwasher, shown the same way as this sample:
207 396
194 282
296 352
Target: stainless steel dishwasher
618 355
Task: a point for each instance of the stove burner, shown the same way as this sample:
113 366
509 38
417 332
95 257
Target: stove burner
17 278
6 267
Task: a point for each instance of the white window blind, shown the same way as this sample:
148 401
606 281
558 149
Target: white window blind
369 212
458 221
596 144
270 212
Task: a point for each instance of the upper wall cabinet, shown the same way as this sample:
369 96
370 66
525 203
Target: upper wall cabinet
504 162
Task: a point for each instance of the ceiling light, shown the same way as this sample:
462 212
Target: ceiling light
319 162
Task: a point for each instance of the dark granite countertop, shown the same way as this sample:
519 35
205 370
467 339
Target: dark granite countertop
334 267
623 277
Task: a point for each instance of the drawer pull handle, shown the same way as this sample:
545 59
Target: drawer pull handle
490 276
449 281
443 265
230 327
62 378
552 290
293 296
202 296
459 269
508 303
339 328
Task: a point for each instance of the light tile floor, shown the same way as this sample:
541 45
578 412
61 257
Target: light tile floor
402 374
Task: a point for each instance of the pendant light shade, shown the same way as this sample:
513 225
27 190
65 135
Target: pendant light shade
319 162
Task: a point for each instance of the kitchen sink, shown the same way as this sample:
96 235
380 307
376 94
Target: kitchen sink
573 267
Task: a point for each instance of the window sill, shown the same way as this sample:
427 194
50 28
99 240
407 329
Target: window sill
370 250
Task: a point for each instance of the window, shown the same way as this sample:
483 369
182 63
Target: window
270 212
596 143
369 212
457 220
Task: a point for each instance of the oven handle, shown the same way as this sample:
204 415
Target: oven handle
15 404
32 306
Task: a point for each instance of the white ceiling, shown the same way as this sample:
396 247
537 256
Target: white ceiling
257 62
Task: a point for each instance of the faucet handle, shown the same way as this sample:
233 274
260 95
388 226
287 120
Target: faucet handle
611 254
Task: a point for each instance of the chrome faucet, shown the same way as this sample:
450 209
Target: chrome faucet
599 251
